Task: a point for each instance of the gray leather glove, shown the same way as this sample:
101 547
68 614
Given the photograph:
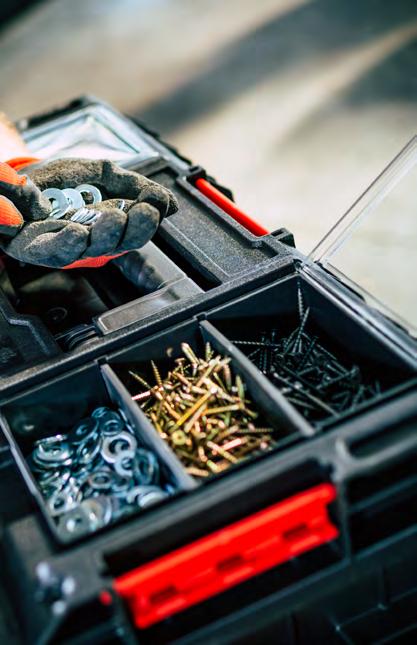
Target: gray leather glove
30 235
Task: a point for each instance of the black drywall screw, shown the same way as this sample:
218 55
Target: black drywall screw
307 353
298 344
311 376
300 301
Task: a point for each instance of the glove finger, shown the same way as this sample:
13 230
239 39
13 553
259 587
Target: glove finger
116 202
10 218
152 194
106 232
112 180
24 194
142 224
160 197
51 243
26 197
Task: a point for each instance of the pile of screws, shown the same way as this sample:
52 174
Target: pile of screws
200 409
311 377
96 473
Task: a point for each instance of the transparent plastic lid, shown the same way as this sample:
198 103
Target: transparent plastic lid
92 132
376 256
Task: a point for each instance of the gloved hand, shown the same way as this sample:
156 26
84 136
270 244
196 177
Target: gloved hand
28 234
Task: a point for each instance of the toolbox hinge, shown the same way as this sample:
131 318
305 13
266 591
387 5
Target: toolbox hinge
228 556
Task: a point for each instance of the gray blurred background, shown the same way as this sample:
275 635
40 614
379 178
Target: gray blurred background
295 104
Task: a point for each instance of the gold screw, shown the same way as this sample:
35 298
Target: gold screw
207 439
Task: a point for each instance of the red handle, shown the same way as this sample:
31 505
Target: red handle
230 207
229 556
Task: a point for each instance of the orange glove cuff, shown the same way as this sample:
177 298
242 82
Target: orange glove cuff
21 162
9 176
92 263
9 215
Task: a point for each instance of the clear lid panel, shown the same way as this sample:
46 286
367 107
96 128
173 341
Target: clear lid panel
377 255
93 132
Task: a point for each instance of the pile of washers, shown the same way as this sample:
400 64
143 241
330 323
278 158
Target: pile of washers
96 473
79 199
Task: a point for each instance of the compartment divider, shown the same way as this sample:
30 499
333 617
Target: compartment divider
148 434
25 472
265 394
19 458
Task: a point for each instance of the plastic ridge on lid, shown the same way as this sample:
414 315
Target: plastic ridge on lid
228 556
230 207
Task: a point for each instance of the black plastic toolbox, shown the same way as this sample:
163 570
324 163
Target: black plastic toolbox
313 541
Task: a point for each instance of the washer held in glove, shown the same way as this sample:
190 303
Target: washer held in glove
70 198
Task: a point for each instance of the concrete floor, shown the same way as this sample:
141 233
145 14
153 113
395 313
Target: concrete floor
295 104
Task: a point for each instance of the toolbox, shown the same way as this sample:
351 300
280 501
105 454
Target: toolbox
312 538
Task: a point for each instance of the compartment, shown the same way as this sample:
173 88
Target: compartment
315 344
71 305
83 465
164 349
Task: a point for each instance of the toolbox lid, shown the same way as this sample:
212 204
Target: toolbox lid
94 132
376 256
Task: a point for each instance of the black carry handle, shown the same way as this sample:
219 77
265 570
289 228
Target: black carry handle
396 436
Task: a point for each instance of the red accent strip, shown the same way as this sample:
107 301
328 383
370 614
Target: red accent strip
229 556
230 207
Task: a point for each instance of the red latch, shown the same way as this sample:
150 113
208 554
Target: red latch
229 556
229 207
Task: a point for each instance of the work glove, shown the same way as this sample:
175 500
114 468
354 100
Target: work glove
129 214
